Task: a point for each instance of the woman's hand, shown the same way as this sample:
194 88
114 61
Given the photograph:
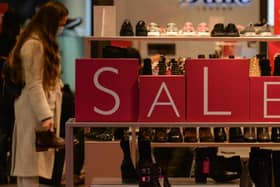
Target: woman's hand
48 124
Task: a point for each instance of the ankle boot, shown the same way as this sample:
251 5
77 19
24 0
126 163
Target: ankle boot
48 139
250 134
128 172
205 134
203 157
263 134
220 169
275 134
145 170
190 135
276 167
220 134
235 134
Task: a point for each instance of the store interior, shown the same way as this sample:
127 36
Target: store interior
177 156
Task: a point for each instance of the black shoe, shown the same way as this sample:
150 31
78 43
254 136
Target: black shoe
275 134
219 170
231 30
250 134
175 135
141 28
72 23
100 134
4 180
263 134
126 29
218 30
235 134
219 134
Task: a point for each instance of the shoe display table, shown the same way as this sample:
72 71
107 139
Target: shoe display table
134 125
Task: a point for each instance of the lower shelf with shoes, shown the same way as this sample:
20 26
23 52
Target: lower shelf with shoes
175 182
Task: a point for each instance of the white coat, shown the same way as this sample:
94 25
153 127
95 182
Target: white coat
32 106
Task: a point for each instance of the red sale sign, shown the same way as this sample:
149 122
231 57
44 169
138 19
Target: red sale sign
106 90
265 98
162 98
217 90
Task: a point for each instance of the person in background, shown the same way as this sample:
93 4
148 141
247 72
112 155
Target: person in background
37 63
10 30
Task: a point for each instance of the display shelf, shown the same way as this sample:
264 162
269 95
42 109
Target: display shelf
174 181
181 38
71 123
133 125
216 144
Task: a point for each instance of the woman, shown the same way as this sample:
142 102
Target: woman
37 63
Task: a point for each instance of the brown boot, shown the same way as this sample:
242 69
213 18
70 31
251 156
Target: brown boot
205 134
48 139
190 135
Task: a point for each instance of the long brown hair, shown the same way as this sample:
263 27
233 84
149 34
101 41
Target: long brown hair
45 25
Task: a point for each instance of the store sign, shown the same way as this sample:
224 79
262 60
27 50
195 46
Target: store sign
265 98
215 2
217 90
212 90
106 90
162 98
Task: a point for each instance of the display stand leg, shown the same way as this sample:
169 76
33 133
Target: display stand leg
133 145
69 157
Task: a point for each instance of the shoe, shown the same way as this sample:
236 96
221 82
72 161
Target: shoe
219 171
48 139
190 135
153 29
263 134
126 29
218 30
249 30
175 135
202 29
264 31
141 28
146 134
100 134
250 134
4 180
235 134
72 23
188 29
231 30
161 135
219 134
171 29
205 134
147 69
277 66
275 134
